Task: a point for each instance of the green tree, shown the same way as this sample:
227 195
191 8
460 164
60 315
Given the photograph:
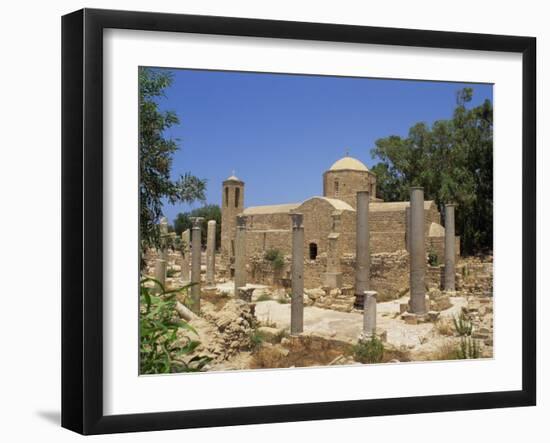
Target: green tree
156 151
453 161
209 212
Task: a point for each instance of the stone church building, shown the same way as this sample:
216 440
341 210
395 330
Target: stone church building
329 223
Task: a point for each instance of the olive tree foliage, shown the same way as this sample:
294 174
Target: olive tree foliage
208 212
156 152
453 161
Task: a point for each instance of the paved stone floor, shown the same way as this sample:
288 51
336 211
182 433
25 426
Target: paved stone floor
347 326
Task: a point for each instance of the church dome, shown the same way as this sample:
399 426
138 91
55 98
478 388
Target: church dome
233 178
348 163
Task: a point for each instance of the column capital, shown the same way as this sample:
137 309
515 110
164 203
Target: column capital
197 221
241 221
163 226
297 220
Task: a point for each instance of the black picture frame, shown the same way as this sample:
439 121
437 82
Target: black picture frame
82 218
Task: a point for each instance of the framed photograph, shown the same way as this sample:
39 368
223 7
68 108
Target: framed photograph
269 221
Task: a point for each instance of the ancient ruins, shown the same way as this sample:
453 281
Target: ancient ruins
300 284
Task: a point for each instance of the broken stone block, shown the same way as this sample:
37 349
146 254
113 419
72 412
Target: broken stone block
382 335
410 319
269 334
332 279
245 293
315 293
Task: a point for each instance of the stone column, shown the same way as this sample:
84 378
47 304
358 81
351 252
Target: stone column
160 274
362 254
417 303
161 261
450 247
333 277
240 254
369 314
211 253
297 269
163 226
408 229
195 301
186 254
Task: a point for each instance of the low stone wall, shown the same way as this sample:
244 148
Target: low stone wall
389 272
477 275
437 245
261 271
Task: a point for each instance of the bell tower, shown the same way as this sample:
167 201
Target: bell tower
232 204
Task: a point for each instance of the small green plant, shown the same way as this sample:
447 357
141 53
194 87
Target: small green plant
283 299
433 259
161 350
369 351
276 258
468 348
264 297
463 325
256 339
268 322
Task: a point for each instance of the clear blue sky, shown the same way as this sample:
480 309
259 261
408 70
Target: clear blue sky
281 132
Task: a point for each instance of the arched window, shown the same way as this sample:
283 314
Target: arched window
237 196
226 196
336 187
312 251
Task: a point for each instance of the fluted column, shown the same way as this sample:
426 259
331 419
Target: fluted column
186 254
211 253
369 314
160 274
297 269
450 247
332 278
240 254
362 254
417 303
161 261
195 301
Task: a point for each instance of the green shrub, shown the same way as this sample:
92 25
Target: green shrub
433 259
256 339
160 348
263 297
369 351
468 348
463 325
283 299
275 257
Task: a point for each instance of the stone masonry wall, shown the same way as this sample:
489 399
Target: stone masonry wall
260 241
349 182
389 272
